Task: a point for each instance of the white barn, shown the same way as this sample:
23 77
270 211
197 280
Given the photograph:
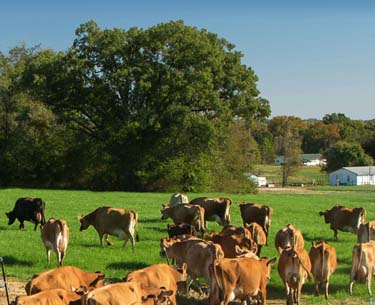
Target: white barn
356 175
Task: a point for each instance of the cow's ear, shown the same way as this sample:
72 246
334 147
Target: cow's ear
80 217
163 206
321 213
271 261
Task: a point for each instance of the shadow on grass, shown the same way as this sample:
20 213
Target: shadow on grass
150 220
10 260
127 265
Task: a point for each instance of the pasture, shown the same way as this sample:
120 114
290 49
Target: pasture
24 253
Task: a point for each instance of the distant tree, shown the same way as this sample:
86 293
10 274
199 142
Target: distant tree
345 154
318 136
152 98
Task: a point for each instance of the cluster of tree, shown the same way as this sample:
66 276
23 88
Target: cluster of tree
167 108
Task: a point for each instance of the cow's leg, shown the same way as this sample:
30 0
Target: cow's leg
48 253
368 278
129 235
22 226
106 238
334 233
317 283
36 224
326 284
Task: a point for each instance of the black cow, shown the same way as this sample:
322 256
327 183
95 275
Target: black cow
29 209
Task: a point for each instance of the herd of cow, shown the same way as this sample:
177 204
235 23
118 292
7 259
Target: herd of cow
229 261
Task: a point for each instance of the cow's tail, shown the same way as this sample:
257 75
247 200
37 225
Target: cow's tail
358 249
61 242
324 265
368 231
135 216
217 277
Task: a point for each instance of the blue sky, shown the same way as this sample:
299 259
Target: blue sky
311 57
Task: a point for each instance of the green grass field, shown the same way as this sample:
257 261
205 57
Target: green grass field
24 253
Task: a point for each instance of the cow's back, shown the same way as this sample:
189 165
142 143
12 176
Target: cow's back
64 277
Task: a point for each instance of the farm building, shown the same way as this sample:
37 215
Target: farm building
357 175
306 159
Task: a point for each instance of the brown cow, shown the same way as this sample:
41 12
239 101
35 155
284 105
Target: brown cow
294 267
233 230
64 277
259 213
241 278
160 275
180 229
344 219
215 209
258 234
366 232
185 213
127 293
363 265
229 243
323 264
49 297
289 237
55 236
112 221
197 254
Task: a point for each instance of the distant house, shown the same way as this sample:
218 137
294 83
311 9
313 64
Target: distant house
356 175
306 159
257 180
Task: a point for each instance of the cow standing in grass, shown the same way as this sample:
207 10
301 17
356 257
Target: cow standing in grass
112 221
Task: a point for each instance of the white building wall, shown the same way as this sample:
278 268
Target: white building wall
342 177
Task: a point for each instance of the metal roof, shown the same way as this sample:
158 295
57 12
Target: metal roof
361 170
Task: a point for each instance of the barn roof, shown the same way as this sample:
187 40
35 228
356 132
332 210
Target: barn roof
361 170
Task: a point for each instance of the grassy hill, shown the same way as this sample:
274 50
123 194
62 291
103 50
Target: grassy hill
307 175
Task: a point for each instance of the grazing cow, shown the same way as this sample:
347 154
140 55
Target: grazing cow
215 209
366 232
28 209
258 234
259 213
55 236
294 267
185 213
196 253
160 275
363 265
112 221
64 277
49 297
178 198
323 264
344 219
180 229
241 278
289 237
127 293
230 242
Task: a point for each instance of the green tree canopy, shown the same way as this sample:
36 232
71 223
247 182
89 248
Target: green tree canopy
151 97
345 154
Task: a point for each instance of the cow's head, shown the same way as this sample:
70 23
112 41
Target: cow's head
84 223
11 216
165 244
164 212
327 216
98 280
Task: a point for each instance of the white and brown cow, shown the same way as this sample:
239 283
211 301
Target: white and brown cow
185 213
64 277
366 232
215 209
344 219
323 264
259 213
294 268
289 237
241 278
112 221
55 236
178 198
363 265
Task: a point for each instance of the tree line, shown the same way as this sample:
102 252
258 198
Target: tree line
166 108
